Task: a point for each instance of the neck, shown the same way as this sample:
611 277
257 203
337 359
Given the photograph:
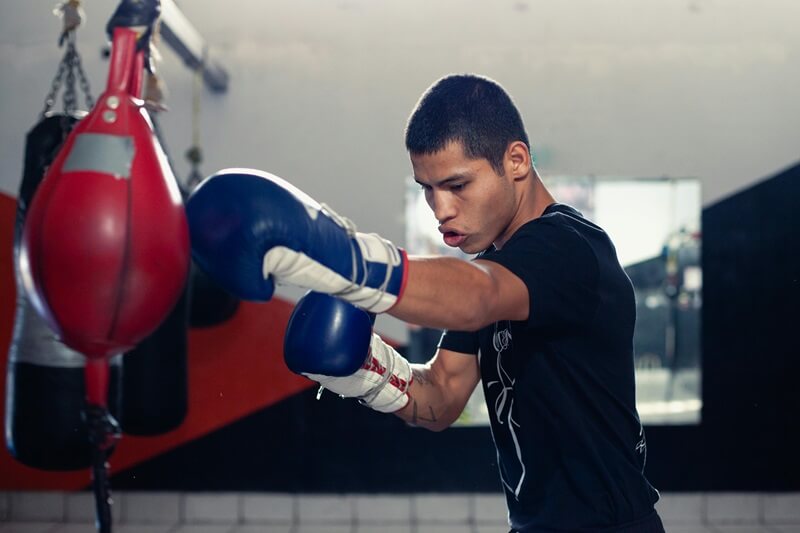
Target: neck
533 200
541 197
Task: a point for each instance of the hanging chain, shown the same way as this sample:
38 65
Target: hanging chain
50 99
70 100
69 65
82 79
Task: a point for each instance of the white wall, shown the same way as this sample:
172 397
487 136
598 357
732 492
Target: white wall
320 90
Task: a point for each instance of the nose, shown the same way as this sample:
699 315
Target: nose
442 205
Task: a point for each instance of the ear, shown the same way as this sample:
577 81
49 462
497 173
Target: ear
518 159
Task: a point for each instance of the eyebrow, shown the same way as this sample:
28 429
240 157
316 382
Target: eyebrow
445 181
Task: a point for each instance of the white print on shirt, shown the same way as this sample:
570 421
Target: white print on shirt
641 446
501 341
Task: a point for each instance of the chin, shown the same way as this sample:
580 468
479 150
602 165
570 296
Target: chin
471 249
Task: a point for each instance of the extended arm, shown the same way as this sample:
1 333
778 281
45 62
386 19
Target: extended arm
440 390
450 293
250 229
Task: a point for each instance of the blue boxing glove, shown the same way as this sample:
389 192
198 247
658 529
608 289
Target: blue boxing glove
331 342
250 229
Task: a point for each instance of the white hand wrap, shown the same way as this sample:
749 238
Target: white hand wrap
382 383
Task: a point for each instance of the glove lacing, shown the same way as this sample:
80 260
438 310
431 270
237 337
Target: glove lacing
351 230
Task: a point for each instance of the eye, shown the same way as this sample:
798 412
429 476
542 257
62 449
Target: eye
456 187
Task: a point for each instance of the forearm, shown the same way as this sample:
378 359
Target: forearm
451 293
445 293
429 406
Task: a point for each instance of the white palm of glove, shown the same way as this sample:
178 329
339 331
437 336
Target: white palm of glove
381 383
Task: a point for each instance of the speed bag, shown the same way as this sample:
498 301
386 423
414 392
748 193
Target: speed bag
105 246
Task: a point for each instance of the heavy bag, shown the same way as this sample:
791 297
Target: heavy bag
105 247
155 388
46 397
211 304
44 381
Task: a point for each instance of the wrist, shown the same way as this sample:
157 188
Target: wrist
391 393
382 383
380 273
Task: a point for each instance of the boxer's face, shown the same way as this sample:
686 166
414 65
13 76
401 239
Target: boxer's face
473 204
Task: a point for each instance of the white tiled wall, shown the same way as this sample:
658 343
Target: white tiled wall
782 508
4 505
268 508
333 510
171 512
734 509
148 507
38 506
433 509
211 508
382 509
79 508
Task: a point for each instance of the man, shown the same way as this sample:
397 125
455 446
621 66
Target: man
543 316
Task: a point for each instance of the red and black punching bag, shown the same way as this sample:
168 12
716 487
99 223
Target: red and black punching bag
44 381
105 247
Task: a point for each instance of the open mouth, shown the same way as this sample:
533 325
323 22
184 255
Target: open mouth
451 238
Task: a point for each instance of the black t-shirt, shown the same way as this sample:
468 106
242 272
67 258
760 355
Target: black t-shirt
560 386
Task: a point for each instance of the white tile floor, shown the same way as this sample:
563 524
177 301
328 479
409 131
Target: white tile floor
171 512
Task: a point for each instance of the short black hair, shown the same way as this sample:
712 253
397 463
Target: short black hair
473 110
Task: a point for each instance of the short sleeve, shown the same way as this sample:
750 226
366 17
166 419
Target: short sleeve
460 341
559 269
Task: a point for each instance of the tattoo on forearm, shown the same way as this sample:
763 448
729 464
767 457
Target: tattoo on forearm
420 376
416 418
